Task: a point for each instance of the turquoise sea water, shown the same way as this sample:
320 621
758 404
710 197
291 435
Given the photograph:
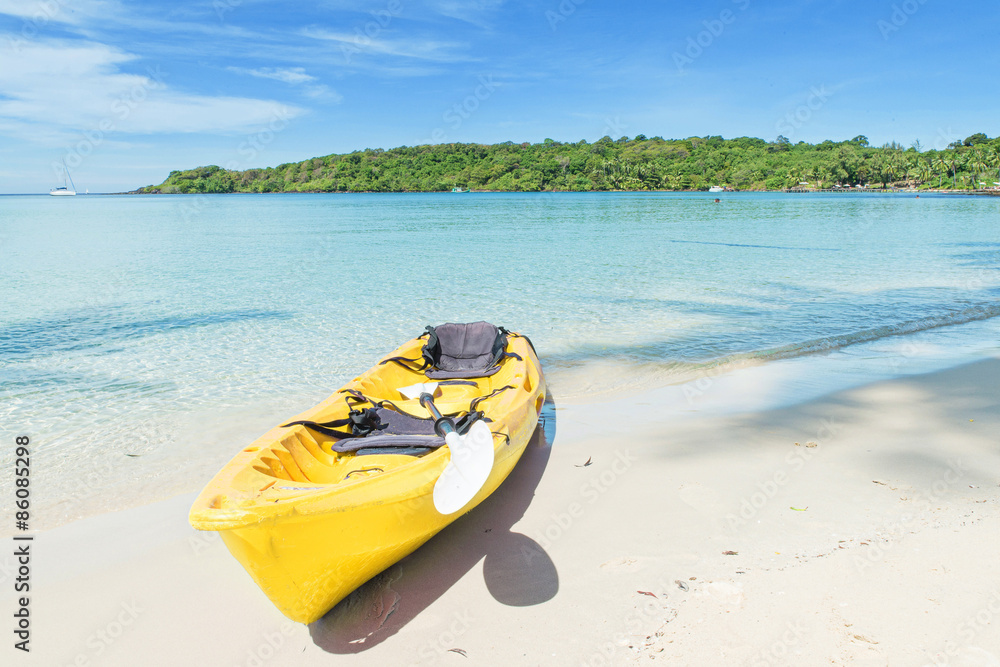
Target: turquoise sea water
139 333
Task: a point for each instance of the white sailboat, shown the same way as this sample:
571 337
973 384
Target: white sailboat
63 190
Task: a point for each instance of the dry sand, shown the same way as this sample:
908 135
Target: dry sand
859 528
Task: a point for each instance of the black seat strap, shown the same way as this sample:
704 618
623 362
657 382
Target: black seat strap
476 401
362 422
366 421
406 362
320 428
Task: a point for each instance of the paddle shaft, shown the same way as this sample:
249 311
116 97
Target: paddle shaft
444 424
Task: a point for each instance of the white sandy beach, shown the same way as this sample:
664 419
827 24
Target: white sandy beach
860 528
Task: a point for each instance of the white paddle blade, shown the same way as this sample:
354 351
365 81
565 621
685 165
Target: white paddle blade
469 468
414 390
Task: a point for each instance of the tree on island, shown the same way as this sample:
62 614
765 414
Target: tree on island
643 163
975 139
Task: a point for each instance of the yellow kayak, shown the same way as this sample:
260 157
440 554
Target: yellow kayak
317 506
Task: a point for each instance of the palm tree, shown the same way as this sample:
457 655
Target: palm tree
644 176
882 167
993 159
671 181
941 166
962 162
615 172
899 165
890 169
979 162
924 171
950 162
812 174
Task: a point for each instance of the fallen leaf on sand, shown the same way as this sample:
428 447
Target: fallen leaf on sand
812 444
865 639
652 595
589 461
459 651
730 553
799 509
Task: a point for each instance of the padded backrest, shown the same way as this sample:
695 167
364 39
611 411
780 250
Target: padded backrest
464 347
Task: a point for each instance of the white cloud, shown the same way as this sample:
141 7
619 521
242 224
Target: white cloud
292 75
323 92
50 87
352 44
41 12
470 11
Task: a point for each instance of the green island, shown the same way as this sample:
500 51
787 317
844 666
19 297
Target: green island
639 163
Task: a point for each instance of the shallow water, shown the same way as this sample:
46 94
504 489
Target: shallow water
173 329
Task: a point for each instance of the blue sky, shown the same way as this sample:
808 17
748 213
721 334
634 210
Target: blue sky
123 92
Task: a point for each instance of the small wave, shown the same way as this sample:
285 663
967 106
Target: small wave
828 343
93 329
602 377
749 245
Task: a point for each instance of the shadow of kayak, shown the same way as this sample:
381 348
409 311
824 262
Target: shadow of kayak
517 570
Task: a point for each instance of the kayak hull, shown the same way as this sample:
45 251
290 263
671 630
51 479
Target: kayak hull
310 524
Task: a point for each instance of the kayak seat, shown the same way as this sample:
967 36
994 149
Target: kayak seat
380 430
472 350
386 427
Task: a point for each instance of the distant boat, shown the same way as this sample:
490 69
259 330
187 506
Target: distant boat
716 188
63 190
459 190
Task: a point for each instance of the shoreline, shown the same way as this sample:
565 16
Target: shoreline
854 526
856 191
206 439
